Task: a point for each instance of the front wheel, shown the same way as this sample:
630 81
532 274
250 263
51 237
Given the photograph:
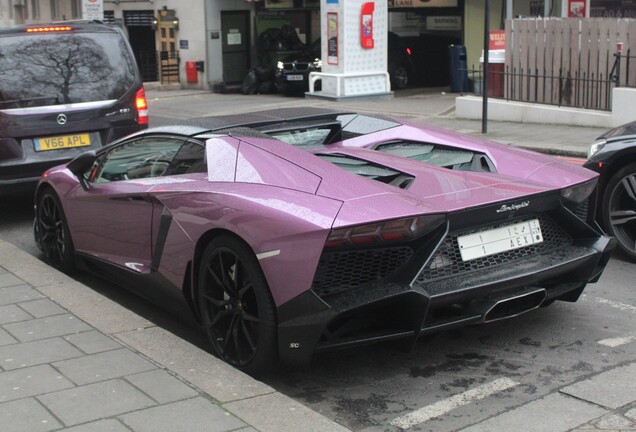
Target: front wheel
52 233
237 309
619 209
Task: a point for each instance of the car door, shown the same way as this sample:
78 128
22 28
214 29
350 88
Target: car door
113 216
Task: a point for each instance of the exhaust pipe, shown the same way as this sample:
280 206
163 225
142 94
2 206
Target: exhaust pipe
515 305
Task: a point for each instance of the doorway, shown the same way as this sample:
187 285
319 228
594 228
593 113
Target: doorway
235 34
141 36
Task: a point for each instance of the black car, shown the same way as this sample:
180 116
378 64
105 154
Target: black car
65 88
292 72
613 155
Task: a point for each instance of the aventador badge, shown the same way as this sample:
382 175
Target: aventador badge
512 207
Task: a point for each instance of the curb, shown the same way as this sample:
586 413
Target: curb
256 403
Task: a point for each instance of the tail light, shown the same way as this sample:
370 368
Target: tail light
388 231
579 193
408 50
48 29
142 107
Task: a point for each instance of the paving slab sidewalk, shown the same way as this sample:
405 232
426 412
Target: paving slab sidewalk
73 360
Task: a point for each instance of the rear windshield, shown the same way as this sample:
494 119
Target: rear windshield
61 68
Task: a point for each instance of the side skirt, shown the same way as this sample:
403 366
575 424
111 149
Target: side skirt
151 286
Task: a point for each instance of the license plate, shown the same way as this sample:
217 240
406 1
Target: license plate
62 142
294 77
506 238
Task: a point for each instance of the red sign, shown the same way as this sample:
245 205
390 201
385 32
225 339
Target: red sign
497 40
576 8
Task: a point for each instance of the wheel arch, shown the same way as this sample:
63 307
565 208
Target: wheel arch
195 264
619 161
41 188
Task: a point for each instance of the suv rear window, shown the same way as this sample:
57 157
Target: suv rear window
62 68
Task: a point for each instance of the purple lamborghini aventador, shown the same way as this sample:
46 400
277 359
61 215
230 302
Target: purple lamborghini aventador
291 232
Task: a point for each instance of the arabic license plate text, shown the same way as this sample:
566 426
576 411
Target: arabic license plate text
506 238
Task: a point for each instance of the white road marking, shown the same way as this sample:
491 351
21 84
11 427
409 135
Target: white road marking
264 255
618 341
622 306
444 406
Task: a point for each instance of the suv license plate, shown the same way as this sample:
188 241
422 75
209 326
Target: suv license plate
294 77
490 242
62 142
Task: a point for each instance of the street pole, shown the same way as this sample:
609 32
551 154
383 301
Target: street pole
484 108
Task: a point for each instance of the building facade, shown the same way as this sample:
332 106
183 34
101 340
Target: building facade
212 44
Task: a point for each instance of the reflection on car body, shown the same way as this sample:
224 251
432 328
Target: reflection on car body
282 250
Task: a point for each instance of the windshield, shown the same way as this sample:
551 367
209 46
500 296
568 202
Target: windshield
62 68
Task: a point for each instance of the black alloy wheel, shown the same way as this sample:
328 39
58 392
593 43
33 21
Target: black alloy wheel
237 309
619 209
52 233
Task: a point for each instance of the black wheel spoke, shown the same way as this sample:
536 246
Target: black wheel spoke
222 267
248 337
248 317
218 317
229 332
216 302
226 280
235 341
629 183
245 288
216 278
620 217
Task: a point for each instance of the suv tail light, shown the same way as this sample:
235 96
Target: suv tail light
142 107
48 29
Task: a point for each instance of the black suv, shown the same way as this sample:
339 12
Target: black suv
65 88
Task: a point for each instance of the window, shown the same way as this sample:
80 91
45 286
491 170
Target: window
98 64
189 159
309 137
35 9
139 159
55 9
76 8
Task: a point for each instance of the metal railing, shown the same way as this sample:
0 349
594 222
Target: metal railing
575 90
624 63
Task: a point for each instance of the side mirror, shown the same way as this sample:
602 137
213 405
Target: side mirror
82 163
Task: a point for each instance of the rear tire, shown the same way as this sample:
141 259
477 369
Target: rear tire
52 234
619 209
237 309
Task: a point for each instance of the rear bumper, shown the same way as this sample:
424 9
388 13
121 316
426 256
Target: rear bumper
389 311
